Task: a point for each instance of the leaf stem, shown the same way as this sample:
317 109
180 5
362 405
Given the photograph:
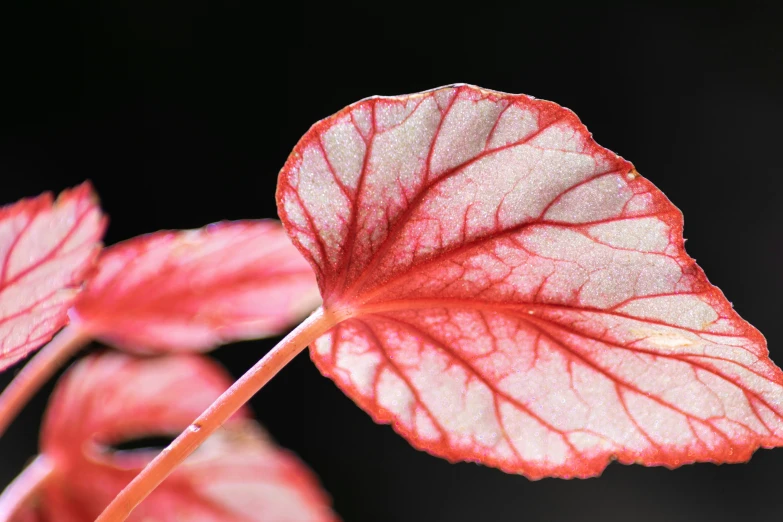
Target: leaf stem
39 370
218 413
24 486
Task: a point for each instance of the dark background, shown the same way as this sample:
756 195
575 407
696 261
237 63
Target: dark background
183 115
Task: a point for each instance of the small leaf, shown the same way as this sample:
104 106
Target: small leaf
238 475
515 294
47 248
196 289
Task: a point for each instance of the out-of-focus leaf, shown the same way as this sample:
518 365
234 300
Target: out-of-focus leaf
238 475
192 290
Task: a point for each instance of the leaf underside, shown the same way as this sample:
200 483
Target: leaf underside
47 248
194 290
518 295
237 475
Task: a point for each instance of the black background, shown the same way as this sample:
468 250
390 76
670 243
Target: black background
183 115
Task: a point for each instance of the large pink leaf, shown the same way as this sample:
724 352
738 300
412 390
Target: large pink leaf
515 294
196 289
238 475
47 249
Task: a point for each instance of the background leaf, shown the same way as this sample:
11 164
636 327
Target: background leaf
193 290
47 248
239 474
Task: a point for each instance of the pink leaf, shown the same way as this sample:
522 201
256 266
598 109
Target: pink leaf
196 289
47 249
238 475
517 295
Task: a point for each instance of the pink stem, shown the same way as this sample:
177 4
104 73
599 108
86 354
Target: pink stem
24 486
36 372
218 413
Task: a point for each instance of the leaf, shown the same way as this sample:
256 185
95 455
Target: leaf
47 248
28 512
516 295
193 290
238 475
